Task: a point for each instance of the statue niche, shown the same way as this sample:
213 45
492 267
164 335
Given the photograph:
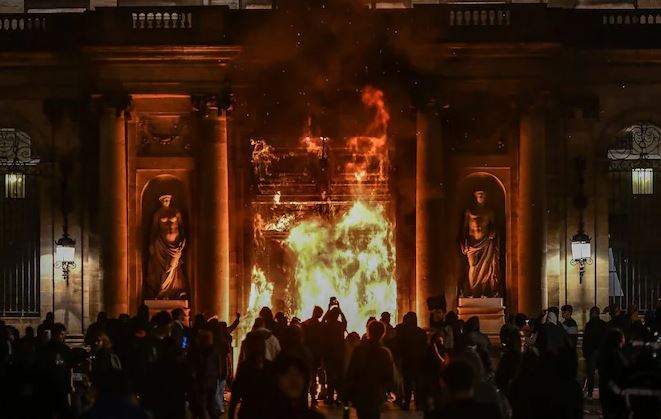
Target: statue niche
165 277
480 244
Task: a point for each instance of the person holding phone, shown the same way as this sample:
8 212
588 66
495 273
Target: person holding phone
334 325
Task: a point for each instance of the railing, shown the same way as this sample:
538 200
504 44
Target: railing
631 18
23 24
162 20
211 25
480 17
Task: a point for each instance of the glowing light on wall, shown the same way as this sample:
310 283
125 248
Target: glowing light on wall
14 185
642 181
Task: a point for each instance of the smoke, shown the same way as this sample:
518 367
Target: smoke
313 58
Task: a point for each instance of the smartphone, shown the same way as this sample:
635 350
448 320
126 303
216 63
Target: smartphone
184 342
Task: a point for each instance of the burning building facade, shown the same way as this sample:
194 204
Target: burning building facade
234 159
323 223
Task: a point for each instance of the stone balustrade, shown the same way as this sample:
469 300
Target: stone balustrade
159 19
632 18
211 25
22 23
480 17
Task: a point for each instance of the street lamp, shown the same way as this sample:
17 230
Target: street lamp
581 252
581 249
65 254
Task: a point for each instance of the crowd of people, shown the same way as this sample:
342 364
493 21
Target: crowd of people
163 367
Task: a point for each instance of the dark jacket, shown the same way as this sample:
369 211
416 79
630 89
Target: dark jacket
253 386
595 331
410 346
370 374
553 338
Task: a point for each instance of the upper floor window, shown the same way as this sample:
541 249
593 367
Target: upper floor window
637 150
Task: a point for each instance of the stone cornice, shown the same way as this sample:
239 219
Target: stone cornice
162 54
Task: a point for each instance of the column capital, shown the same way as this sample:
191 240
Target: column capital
203 103
121 103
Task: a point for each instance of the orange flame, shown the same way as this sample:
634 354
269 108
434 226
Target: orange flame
370 151
263 158
351 258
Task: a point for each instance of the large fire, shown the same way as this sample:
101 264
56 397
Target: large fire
345 250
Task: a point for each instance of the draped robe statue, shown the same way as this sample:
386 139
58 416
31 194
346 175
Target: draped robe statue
165 277
481 246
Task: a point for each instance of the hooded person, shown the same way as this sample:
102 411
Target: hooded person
552 337
291 377
272 343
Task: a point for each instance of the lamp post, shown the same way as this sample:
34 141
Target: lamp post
65 246
581 249
65 254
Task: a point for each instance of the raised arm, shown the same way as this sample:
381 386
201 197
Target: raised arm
232 327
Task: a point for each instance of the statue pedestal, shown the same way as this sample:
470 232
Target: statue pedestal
491 312
168 305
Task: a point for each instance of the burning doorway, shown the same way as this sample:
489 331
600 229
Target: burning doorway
322 224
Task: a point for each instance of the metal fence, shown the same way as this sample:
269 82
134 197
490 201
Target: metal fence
19 247
634 222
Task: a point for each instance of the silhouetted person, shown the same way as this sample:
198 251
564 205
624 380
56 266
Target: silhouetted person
141 319
293 345
178 331
44 329
291 388
253 382
370 374
389 337
510 362
458 379
436 357
314 338
54 363
552 337
269 322
164 394
618 319
280 324
222 342
95 328
114 399
525 389
209 369
334 326
593 337
410 349
570 325
104 359
272 343
612 367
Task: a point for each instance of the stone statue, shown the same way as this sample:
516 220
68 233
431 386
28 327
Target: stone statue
481 246
165 278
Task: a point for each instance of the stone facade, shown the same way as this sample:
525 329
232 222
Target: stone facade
513 93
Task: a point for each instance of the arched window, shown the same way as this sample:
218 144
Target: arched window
19 225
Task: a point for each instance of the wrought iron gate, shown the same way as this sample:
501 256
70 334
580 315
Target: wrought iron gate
19 226
634 223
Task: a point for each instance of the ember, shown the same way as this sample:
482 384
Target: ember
333 241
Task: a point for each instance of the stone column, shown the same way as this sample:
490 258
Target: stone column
213 279
113 209
428 214
532 295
